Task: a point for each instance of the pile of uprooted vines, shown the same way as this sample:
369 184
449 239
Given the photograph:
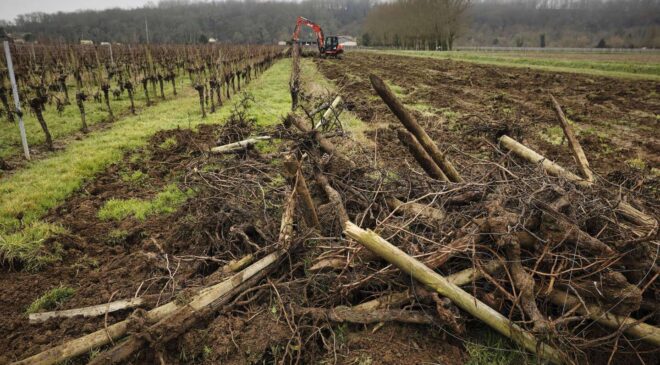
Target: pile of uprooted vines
568 264
549 255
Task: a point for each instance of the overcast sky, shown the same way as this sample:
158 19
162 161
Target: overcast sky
9 9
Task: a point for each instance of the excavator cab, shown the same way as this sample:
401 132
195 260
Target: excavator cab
332 47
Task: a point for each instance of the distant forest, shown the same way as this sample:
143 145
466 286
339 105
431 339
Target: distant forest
522 23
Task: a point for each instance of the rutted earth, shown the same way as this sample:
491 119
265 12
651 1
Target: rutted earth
468 106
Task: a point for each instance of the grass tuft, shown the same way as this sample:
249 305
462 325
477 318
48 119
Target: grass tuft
637 163
117 236
166 202
134 177
491 348
168 143
553 135
51 300
27 246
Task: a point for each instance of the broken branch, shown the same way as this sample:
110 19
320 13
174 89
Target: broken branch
576 148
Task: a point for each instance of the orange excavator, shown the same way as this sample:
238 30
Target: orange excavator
328 46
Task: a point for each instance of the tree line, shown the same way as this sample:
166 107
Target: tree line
402 23
564 23
176 21
416 23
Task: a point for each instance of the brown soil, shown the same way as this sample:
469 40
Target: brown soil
469 105
102 267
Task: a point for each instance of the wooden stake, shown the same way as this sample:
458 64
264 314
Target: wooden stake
532 156
334 197
576 148
423 159
328 113
630 326
17 100
458 296
292 167
413 127
460 278
240 145
92 311
348 314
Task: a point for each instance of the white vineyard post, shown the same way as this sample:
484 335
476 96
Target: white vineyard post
17 101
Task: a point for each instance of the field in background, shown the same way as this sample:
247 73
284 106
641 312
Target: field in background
629 65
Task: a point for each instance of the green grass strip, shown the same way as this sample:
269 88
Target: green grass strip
620 69
46 183
69 122
165 202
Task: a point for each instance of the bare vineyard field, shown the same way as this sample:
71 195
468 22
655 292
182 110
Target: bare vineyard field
644 65
247 221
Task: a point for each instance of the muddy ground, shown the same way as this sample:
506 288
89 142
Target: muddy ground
166 256
102 259
467 106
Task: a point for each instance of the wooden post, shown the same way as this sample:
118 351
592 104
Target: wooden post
91 311
413 127
294 82
328 113
240 145
460 278
17 101
576 148
423 159
630 326
292 167
532 156
458 296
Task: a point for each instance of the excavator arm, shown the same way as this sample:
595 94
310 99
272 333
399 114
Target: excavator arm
320 39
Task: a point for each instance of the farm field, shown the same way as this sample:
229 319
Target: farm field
616 119
146 207
629 65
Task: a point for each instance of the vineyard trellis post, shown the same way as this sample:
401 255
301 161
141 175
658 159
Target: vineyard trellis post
17 101
112 59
